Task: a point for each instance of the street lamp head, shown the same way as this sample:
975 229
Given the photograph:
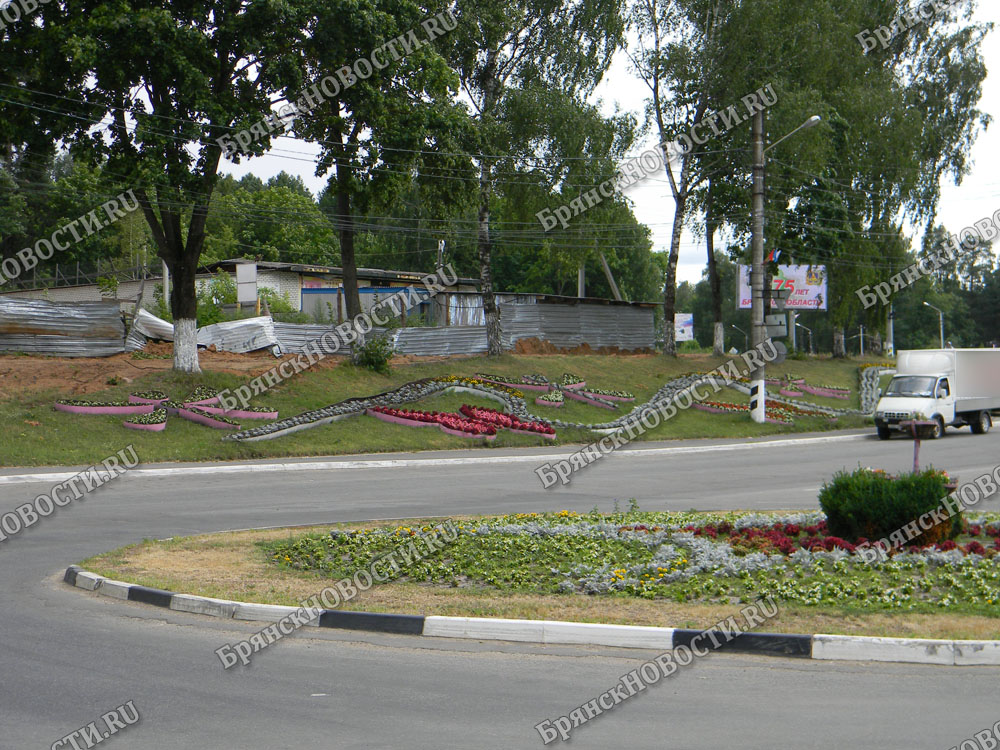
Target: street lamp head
814 120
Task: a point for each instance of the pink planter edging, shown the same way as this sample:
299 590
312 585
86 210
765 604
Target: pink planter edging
791 394
587 400
461 434
532 387
203 402
712 409
150 427
826 393
140 400
608 398
533 434
553 404
134 409
206 420
240 413
391 419
576 386
414 423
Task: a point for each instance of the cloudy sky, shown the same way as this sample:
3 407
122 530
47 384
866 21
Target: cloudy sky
978 196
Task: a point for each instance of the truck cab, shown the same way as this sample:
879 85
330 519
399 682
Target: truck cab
951 387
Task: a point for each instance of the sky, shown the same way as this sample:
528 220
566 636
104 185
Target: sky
977 197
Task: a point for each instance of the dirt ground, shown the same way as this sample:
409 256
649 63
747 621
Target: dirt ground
79 375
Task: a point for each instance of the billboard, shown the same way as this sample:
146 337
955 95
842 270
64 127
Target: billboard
683 327
806 284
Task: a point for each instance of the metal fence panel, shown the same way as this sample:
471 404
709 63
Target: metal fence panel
81 329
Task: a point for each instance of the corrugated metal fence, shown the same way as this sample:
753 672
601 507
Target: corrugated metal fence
568 326
83 329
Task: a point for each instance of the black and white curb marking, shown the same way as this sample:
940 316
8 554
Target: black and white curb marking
549 632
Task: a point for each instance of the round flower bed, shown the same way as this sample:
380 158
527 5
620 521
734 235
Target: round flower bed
553 398
155 421
569 380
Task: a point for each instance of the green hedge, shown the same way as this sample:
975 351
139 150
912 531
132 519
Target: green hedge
871 504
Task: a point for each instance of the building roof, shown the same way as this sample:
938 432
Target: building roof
374 274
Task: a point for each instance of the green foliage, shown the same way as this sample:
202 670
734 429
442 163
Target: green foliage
872 504
108 285
374 354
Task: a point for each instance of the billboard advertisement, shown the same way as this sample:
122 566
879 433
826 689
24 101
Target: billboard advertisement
806 284
683 327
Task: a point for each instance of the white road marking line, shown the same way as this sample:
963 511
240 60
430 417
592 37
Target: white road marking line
399 463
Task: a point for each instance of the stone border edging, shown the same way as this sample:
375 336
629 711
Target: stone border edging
551 632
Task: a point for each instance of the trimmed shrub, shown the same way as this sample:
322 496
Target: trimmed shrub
374 354
867 504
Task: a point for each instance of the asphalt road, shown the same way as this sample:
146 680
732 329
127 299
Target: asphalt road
67 657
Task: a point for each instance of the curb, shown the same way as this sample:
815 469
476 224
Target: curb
551 632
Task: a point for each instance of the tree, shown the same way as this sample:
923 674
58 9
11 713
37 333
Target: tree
377 131
507 56
170 78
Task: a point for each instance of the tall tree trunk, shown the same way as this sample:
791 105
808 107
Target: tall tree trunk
718 332
348 262
490 309
838 342
670 283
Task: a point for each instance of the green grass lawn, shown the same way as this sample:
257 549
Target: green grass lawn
37 435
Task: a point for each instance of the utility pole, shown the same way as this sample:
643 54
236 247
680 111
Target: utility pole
892 342
580 281
757 392
862 344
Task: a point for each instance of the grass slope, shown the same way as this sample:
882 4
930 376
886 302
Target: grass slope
37 435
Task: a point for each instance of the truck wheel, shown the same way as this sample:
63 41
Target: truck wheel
982 423
884 433
937 431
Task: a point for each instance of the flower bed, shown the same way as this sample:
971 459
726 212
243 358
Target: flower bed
790 393
452 424
154 421
576 395
553 398
610 395
569 380
216 421
250 412
827 392
202 395
148 397
696 557
507 421
103 407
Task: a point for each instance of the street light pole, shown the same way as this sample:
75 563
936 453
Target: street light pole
757 392
940 313
809 331
746 340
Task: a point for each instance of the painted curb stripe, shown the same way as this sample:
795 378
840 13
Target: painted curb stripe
382 623
146 595
816 647
777 644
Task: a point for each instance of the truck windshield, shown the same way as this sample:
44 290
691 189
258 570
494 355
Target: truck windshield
911 386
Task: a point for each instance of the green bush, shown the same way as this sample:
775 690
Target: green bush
872 504
374 354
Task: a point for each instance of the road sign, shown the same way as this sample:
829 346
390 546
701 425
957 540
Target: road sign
779 299
777 326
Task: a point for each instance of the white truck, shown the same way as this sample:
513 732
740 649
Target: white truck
954 387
